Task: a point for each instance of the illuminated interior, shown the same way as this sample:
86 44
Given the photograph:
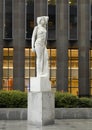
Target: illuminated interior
91 71
30 71
73 71
30 63
7 68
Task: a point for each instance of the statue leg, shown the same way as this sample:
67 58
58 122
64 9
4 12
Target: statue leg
46 65
39 60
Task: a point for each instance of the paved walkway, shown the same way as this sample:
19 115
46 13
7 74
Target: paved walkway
68 124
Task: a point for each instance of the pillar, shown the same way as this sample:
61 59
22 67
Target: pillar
40 8
84 46
1 42
62 45
19 43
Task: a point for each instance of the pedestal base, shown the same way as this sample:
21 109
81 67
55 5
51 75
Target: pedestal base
41 108
40 84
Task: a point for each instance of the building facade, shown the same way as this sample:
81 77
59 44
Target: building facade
69 44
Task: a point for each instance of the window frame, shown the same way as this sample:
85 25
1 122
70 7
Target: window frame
26 38
53 38
69 38
4 19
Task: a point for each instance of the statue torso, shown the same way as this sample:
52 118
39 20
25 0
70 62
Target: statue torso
41 36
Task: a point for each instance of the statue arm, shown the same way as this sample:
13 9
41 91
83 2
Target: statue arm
34 38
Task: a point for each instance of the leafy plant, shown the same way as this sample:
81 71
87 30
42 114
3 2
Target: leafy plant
18 99
85 102
13 99
65 100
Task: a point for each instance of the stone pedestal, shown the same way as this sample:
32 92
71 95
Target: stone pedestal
41 108
40 84
40 102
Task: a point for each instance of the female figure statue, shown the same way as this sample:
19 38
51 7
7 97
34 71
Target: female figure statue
39 42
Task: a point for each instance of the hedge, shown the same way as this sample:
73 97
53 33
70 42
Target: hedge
65 100
68 100
13 99
18 99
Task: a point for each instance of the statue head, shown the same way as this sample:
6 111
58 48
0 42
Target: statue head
43 20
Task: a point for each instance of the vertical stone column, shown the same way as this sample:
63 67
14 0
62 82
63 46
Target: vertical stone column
62 45
40 8
1 42
84 46
19 43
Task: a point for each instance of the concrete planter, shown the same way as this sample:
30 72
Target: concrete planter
13 113
73 113
60 113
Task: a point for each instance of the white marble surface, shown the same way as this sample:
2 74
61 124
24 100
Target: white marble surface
41 109
39 43
40 84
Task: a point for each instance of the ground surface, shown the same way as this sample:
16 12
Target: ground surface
67 124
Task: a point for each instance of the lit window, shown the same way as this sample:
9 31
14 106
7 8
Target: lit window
73 71
30 69
7 68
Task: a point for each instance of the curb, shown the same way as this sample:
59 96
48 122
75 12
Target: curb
60 113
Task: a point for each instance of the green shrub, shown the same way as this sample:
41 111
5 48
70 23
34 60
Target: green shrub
13 99
18 99
85 102
4 99
65 100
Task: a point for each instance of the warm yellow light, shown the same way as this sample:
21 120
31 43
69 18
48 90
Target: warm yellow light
70 2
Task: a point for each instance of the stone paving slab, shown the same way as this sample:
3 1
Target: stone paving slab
65 124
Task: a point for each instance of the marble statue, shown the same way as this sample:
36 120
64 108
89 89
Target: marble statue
39 42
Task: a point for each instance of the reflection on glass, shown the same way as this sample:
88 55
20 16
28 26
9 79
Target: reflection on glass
7 25
7 68
29 18
73 20
73 71
52 19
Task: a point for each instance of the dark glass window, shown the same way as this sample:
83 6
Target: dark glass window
73 20
91 19
29 18
7 19
52 19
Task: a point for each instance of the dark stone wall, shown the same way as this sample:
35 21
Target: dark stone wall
84 46
62 45
1 42
19 43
